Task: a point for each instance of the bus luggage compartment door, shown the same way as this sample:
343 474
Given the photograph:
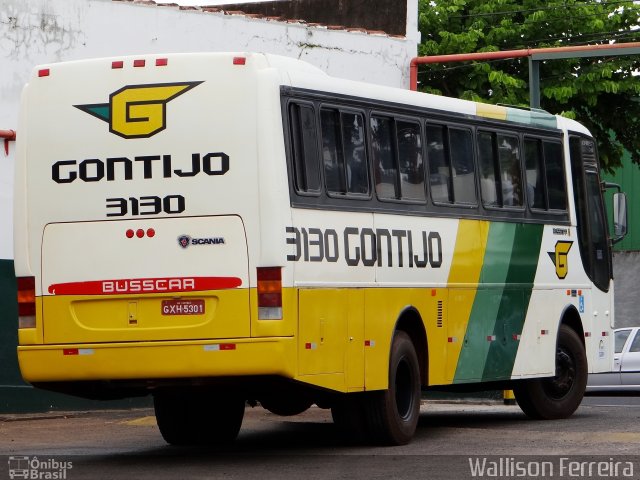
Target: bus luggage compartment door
145 280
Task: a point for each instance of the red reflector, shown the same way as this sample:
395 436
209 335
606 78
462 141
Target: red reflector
269 299
269 292
269 273
161 62
117 64
70 351
227 346
139 233
44 72
26 283
239 60
130 233
138 63
26 296
151 232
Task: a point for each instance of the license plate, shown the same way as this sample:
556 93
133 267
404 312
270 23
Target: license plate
183 307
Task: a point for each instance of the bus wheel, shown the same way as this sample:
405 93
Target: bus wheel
392 415
559 396
194 417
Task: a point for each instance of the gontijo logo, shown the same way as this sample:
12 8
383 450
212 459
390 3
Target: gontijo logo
560 256
138 111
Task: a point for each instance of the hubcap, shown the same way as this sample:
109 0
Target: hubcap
560 385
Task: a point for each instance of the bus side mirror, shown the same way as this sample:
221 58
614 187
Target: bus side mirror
619 216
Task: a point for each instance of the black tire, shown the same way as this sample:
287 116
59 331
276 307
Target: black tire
392 415
195 417
559 396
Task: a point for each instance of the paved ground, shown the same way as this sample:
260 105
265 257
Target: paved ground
126 444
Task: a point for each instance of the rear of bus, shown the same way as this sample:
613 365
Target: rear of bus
139 185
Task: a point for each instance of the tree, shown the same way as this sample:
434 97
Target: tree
601 93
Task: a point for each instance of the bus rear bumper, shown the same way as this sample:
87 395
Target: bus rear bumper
158 360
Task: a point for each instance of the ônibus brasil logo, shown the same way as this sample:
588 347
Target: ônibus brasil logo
138 111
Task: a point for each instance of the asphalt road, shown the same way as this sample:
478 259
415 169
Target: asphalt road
451 438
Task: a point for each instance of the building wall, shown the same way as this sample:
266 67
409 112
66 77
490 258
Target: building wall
34 32
388 16
42 31
626 272
628 177
626 256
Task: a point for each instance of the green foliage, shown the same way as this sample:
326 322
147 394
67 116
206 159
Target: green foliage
601 93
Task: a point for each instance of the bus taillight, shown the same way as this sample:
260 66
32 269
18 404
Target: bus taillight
26 302
269 293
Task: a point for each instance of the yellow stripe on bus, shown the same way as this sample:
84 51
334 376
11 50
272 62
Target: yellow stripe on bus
491 111
464 277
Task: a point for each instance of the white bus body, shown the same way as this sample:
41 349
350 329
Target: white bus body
158 217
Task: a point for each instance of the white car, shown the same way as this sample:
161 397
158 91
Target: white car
626 364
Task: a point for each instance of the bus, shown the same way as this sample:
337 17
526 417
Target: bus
224 229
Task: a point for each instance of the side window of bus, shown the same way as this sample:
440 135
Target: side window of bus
383 155
501 176
556 179
462 166
411 162
545 178
439 165
304 134
452 176
534 175
354 153
510 174
488 179
396 148
343 152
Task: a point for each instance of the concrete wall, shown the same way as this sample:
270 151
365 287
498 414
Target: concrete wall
34 32
626 257
626 273
42 31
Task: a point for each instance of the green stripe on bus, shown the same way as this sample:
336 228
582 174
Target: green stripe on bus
514 302
508 270
532 117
